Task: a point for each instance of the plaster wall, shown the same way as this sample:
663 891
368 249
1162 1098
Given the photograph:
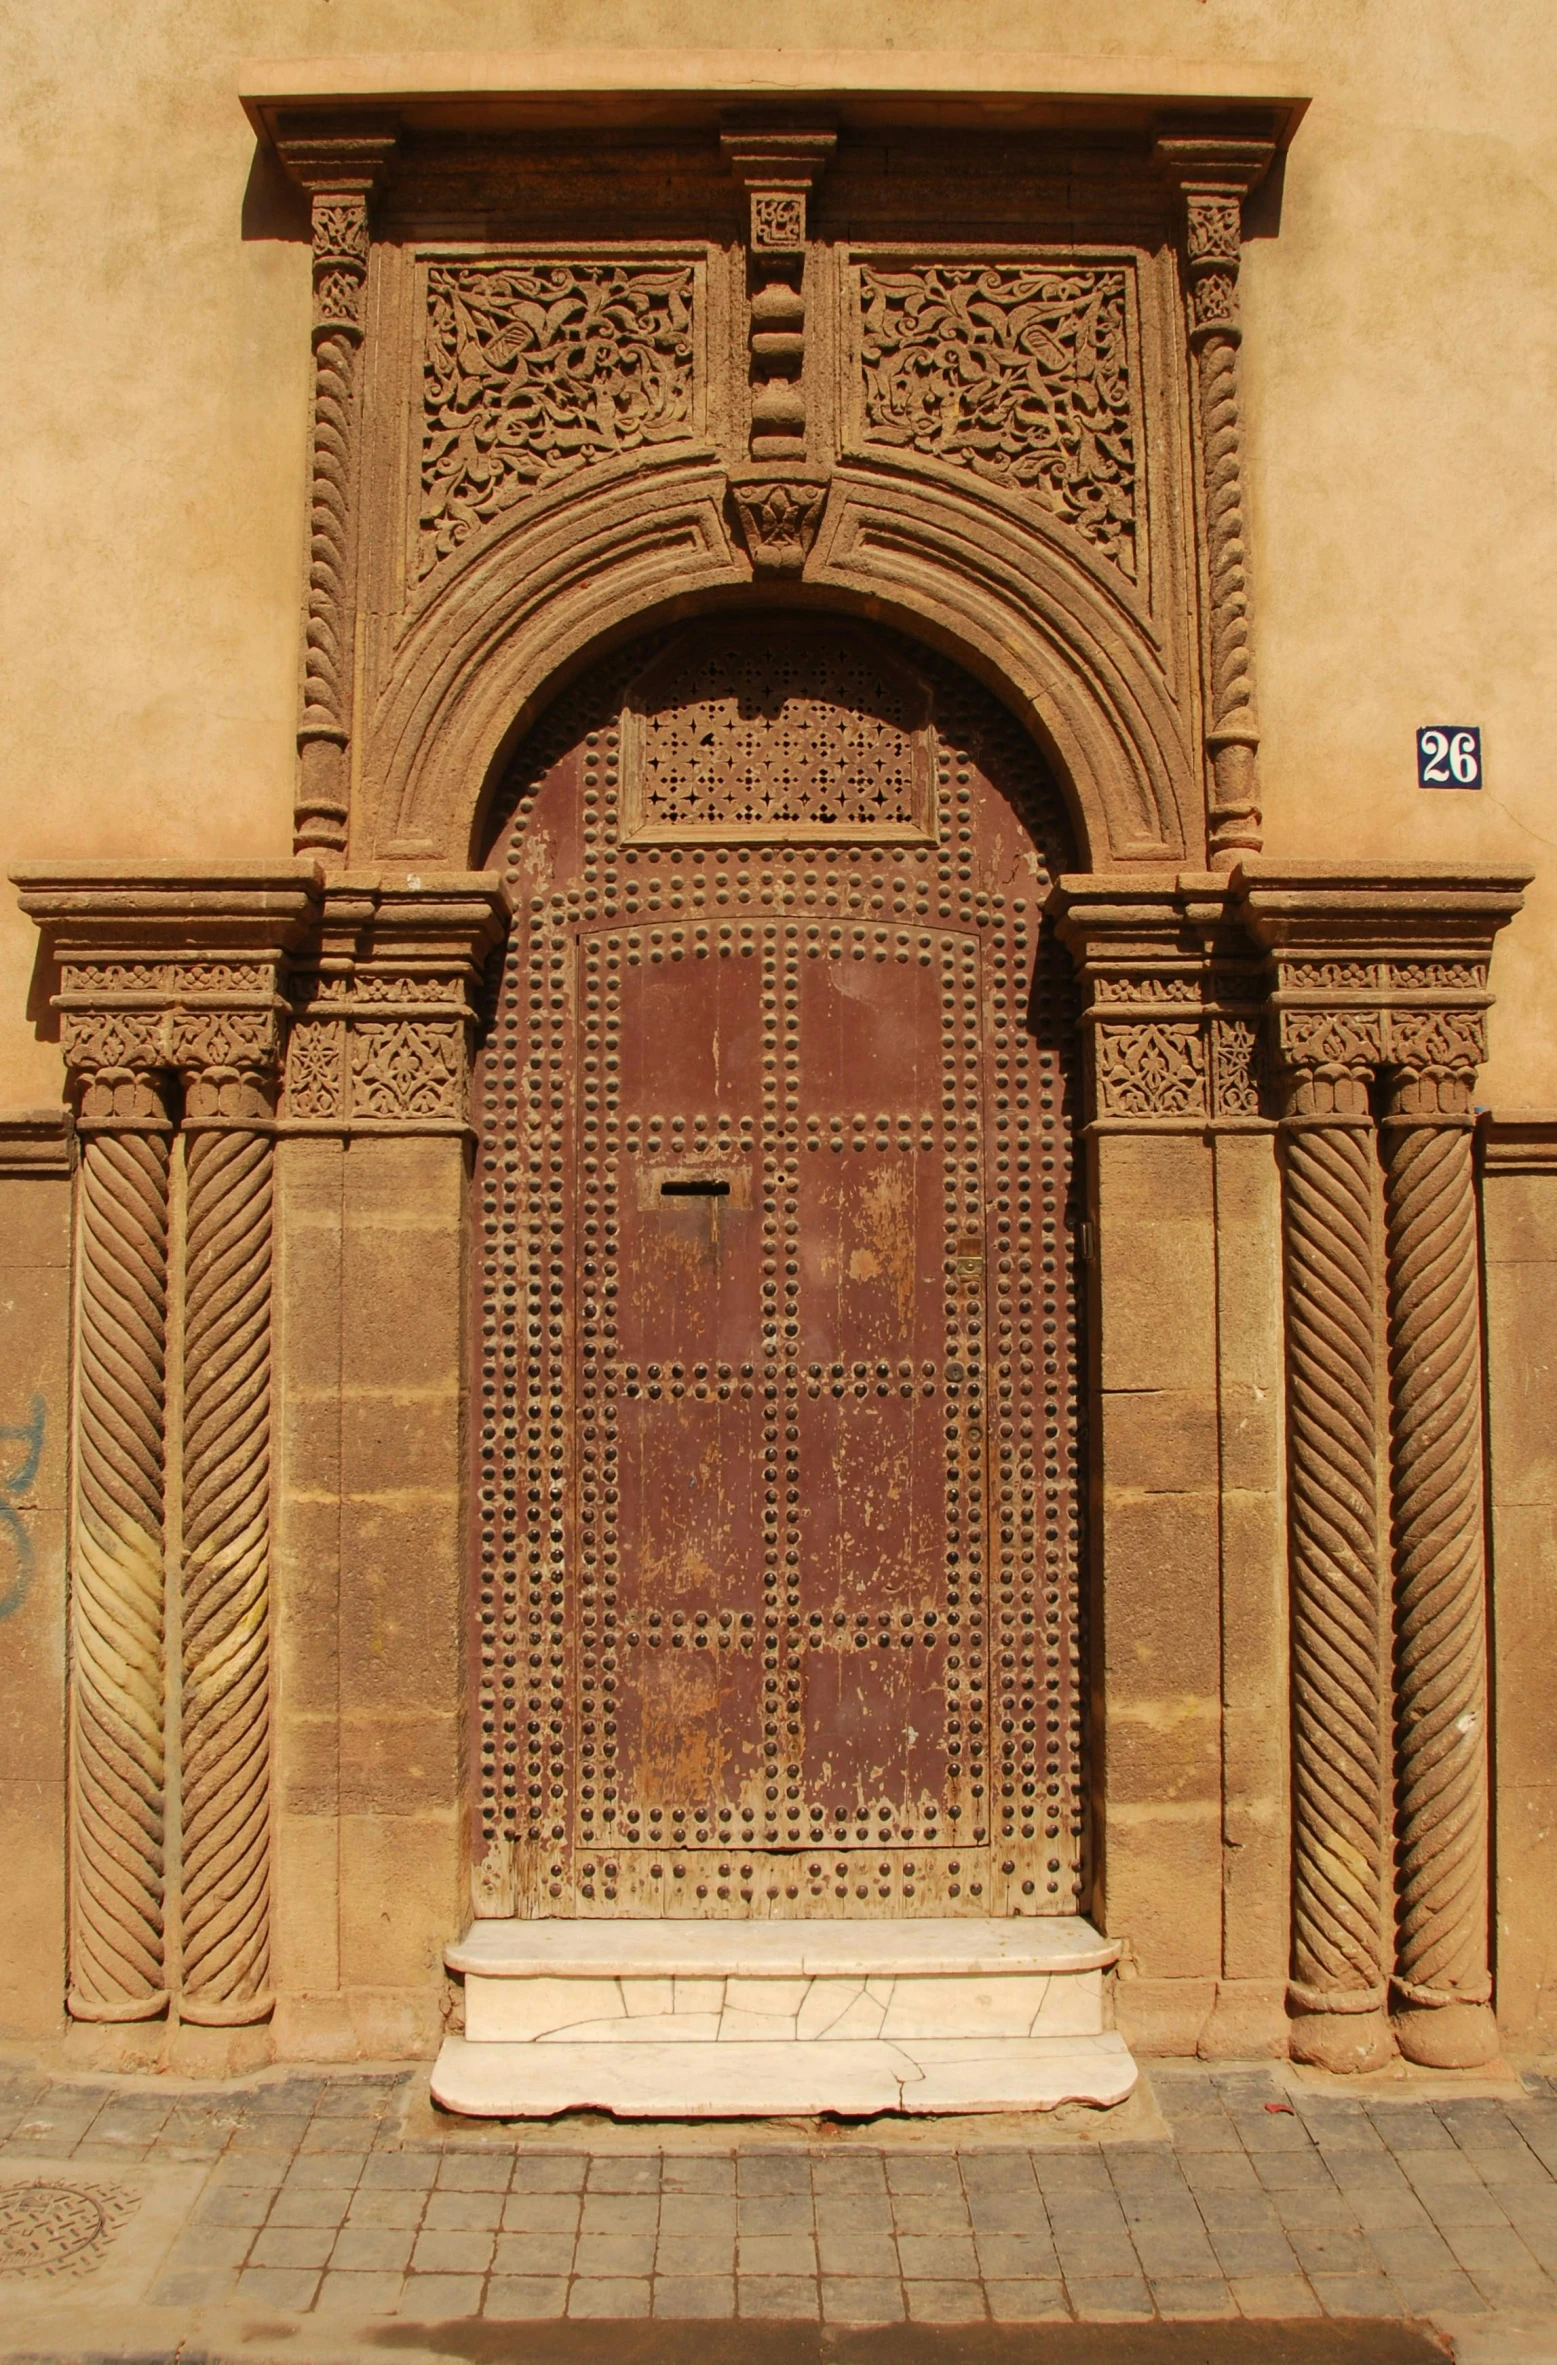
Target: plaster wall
1399 358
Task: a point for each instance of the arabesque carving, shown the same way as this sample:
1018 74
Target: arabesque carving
1018 372
118 1747
535 370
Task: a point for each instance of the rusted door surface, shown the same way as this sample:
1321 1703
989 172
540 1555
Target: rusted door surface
777 1467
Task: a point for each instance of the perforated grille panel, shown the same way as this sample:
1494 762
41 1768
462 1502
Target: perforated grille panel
777 1604
778 734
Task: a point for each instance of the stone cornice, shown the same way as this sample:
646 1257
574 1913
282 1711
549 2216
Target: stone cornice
1517 1141
586 87
36 1144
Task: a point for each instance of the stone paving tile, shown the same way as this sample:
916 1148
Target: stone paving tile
1267 2202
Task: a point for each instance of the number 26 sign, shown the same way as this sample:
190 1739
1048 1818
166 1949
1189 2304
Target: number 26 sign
1448 755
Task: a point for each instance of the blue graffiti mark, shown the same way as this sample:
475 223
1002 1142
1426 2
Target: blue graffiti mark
13 1485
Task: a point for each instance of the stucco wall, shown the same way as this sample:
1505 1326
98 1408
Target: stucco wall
1401 325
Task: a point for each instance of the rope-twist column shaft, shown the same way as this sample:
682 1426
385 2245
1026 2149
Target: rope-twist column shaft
226 1608
1442 1984
117 1688
1233 731
1338 1745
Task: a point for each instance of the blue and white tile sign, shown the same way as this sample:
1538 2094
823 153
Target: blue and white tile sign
1448 755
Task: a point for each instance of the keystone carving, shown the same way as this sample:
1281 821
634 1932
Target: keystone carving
778 523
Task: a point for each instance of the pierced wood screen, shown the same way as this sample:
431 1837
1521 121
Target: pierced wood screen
777 1602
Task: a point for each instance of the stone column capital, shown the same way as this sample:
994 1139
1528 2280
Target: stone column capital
1377 969
167 969
1172 1010
384 1008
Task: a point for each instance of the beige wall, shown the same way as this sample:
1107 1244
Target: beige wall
34 1407
1401 355
1520 1234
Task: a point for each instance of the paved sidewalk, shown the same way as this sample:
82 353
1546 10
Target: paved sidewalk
310 2204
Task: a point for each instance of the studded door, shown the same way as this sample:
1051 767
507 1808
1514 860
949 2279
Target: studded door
777 1600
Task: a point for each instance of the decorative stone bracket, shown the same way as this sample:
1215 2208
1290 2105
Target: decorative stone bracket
778 169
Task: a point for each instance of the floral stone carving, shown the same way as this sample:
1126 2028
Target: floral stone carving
1017 371
534 370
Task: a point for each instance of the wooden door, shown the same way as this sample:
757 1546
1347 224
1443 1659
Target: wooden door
777 1606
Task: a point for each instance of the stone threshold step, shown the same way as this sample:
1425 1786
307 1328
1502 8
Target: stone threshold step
737 2081
1042 1946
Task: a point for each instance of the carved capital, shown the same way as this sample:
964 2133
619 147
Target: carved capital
1174 1002
779 522
1213 175
1378 972
383 1015
162 972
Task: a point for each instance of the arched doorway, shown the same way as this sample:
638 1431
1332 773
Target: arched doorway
777 1605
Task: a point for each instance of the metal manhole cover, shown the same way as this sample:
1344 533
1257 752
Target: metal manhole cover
49 2229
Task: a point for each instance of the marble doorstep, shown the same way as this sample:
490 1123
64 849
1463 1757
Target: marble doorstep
703 2019
738 2081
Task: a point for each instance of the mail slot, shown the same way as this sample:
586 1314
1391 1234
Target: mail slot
726 1181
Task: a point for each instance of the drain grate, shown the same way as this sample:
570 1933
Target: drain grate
51 2229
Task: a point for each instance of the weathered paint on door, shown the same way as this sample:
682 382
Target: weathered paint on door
777 1588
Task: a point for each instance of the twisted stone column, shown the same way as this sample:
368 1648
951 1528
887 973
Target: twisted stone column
1442 1984
225 1720
118 1748
1336 1993
1214 174
338 169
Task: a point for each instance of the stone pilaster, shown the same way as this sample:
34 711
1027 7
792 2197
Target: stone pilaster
1214 175
339 166
1378 984
166 977
778 170
1172 1023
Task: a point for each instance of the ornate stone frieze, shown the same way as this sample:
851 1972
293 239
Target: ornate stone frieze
382 1019
1213 176
339 167
536 368
777 169
1020 372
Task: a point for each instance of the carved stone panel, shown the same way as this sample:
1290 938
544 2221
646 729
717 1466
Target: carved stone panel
777 1452
1024 373
536 368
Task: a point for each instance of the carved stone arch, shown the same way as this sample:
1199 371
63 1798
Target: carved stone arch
1077 663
